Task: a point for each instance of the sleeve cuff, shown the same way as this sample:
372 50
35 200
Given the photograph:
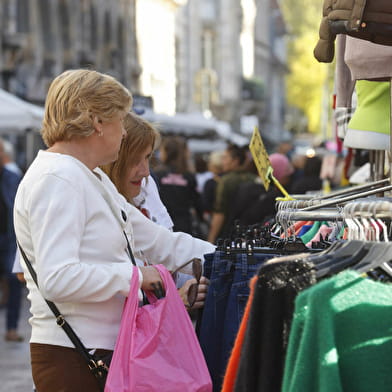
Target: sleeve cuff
140 277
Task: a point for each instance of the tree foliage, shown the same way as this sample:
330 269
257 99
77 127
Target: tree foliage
307 77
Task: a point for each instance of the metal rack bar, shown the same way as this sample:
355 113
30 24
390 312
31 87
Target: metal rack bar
300 215
347 198
354 189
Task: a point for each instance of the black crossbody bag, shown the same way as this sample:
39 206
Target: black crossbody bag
98 366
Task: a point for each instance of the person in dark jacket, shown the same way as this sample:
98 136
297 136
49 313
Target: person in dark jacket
177 184
252 204
9 182
311 180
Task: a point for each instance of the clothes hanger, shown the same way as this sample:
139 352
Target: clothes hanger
369 257
380 255
336 265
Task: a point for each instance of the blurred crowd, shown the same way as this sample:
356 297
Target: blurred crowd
207 194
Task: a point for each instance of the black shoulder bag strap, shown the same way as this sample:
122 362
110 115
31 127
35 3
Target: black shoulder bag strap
98 367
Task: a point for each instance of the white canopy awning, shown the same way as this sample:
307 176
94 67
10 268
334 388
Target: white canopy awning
195 125
17 115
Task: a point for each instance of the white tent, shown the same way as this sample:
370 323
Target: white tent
215 133
17 115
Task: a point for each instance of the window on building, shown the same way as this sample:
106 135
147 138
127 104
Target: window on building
22 16
44 7
93 28
121 49
65 24
108 60
9 17
208 48
208 10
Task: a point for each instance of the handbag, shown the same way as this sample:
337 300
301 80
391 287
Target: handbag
98 365
157 347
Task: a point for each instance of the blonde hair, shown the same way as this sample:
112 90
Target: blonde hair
140 135
75 97
215 161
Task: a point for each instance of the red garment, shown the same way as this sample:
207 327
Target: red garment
296 227
234 360
297 231
145 212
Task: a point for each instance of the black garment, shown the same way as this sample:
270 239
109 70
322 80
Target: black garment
179 195
305 184
3 210
252 204
208 195
263 352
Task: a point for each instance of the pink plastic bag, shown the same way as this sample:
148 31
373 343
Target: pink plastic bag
157 348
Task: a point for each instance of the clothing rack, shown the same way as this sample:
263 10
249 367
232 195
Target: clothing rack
354 189
318 215
374 208
347 198
365 209
346 191
317 201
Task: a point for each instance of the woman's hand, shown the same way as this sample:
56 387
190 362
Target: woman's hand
20 277
152 280
201 292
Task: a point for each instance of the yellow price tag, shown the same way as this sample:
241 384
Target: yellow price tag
263 164
260 158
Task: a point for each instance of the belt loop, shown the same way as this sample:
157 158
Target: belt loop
244 264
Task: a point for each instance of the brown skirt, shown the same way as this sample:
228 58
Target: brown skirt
61 369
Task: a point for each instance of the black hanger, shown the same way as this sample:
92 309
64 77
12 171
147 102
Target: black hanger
338 250
337 264
380 253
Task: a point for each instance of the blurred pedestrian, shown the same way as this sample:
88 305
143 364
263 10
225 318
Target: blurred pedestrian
177 184
298 163
201 171
282 169
9 158
209 190
9 182
285 148
311 180
252 203
233 161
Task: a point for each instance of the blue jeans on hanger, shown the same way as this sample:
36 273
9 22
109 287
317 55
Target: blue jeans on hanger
212 323
224 307
244 270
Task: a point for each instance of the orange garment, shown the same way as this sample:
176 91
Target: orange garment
234 360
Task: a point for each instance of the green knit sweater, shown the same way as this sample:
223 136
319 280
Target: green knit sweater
341 337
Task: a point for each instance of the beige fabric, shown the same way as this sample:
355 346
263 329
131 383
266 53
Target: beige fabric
368 60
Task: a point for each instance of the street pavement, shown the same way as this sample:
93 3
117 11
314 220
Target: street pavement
15 370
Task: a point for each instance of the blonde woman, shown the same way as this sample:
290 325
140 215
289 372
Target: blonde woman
70 220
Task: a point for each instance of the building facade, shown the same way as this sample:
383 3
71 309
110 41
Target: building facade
231 62
223 59
41 38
